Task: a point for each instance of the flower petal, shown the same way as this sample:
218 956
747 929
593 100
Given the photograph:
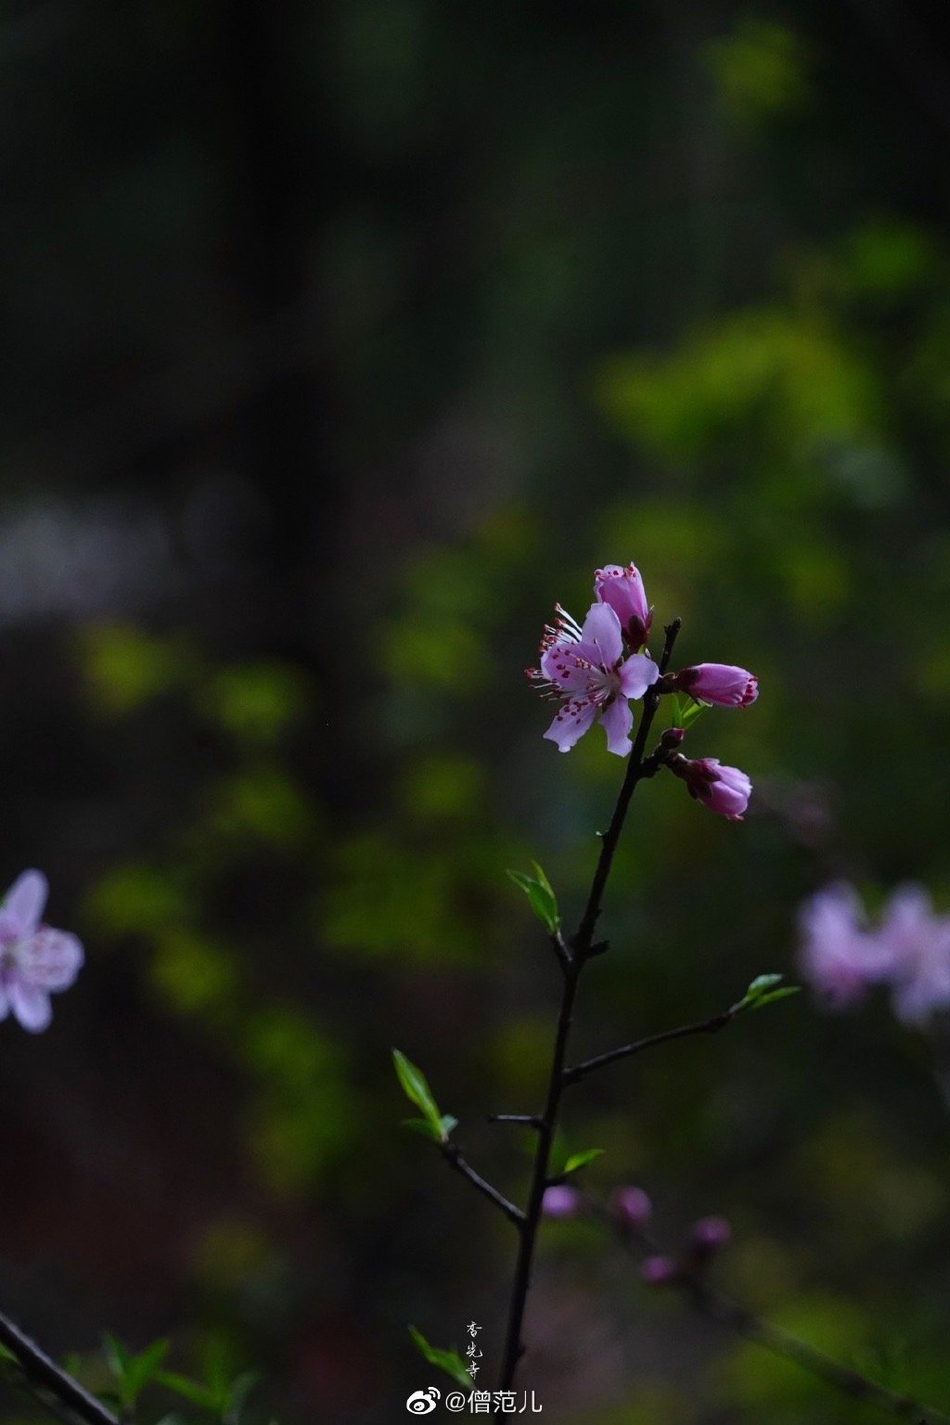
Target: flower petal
602 631
30 1004
24 904
571 722
560 665
51 960
617 720
637 674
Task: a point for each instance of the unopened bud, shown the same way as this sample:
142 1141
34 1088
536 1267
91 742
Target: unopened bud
672 738
631 1207
560 1201
660 1271
709 1235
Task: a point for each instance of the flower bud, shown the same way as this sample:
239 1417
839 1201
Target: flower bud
721 683
660 1271
709 1235
631 1207
672 738
622 588
560 1201
724 790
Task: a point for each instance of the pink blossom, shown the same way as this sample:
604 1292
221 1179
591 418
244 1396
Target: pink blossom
585 667
724 790
622 588
709 1235
631 1207
660 1271
914 944
34 959
560 1201
839 958
719 683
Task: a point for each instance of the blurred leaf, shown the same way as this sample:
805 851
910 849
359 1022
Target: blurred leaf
449 1361
760 69
580 1160
238 1392
685 710
257 702
192 974
137 899
189 1390
127 667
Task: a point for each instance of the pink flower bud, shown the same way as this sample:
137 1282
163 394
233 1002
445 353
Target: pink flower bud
560 1201
631 1207
724 790
622 588
709 1235
660 1271
672 738
720 683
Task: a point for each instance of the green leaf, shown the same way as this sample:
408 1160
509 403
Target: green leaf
540 895
141 1369
448 1123
417 1091
449 1361
783 993
189 1390
762 991
580 1160
424 1128
118 1357
686 710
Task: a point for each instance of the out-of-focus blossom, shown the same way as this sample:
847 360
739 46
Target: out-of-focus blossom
839 957
719 683
916 946
560 1201
622 588
724 790
586 668
631 1207
34 959
660 1271
709 1235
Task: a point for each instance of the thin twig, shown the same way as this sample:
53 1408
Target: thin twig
626 1051
581 947
530 1120
716 1307
455 1160
40 1371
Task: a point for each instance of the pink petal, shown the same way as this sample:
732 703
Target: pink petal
637 674
30 1005
24 904
51 960
4 1002
617 720
602 630
571 722
559 664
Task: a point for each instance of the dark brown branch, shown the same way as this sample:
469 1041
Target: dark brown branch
455 1160
581 947
44 1374
626 1051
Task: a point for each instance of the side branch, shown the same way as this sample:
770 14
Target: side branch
626 1051
716 1307
455 1160
44 1374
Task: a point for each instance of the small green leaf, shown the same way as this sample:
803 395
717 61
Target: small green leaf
238 1392
423 1127
759 986
686 710
189 1390
141 1369
118 1357
580 1160
771 998
449 1361
417 1090
540 895
448 1123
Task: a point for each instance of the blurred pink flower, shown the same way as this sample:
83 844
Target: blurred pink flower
34 959
560 1201
709 1235
915 944
839 957
631 1207
622 588
724 790
585 667
719 683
